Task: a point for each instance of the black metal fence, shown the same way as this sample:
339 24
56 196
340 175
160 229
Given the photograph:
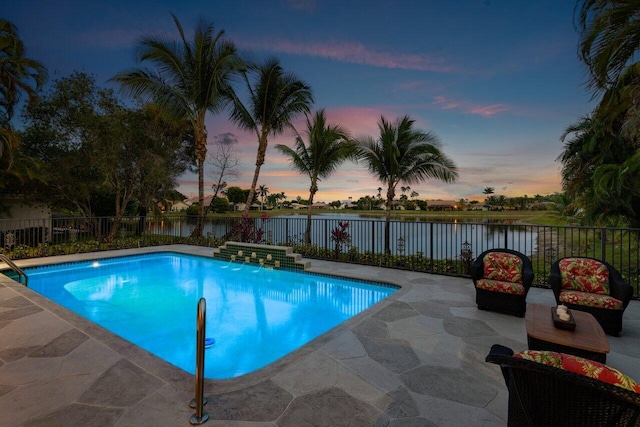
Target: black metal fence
434 247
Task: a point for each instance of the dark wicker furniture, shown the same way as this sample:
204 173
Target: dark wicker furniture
500 301
609 319
541 395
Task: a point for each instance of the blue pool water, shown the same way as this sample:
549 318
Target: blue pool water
255 315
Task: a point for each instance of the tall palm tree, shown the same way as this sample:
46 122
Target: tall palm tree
403 154
189 79
19 76
275 98
326 148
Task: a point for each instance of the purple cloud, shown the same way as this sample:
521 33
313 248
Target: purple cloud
355 53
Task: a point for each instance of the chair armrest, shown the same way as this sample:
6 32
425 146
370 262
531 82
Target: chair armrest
498 352
476 271
555 280
619 289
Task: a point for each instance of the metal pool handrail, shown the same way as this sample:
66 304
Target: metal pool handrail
15 268
200 416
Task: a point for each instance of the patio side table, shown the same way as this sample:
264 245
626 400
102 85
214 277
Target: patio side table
588 340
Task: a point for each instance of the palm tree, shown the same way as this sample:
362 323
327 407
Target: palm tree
19 76
609 40
600 169
263 191
274 100
327 147
404 154
190 79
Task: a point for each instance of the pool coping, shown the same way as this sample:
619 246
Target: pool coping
163 370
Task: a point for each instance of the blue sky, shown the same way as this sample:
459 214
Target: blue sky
497 81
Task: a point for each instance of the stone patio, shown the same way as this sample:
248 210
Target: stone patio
415 359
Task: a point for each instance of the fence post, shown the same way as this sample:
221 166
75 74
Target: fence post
373 239
431 247
506 237
603 243
286 230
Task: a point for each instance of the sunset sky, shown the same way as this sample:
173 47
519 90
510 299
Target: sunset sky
497 81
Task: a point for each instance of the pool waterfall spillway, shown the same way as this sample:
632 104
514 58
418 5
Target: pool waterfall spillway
268 256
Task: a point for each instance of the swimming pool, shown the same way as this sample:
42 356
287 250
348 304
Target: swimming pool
255 315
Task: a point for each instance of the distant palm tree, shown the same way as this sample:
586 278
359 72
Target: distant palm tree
263 191
190 79
326 148
275 98
404 154
19 76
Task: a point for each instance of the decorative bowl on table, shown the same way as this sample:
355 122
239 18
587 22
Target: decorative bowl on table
568 324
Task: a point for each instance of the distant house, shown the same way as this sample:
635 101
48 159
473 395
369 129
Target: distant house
441 205
347 204
20 217
320 205
182 205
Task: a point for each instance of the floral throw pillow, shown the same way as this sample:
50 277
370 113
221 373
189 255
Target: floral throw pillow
584 275
503 267
582 366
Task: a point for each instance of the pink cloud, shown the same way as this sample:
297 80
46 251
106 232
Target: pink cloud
469 107
355 53
488 110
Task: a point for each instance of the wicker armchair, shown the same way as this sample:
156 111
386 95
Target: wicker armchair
594 286
502 278
543 395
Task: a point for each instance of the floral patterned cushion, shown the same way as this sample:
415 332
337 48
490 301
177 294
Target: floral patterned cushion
500 286
585 275
590 300
503 267
582 366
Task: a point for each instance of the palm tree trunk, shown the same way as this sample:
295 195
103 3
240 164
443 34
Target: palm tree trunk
387 225
307 233
262 150
201 153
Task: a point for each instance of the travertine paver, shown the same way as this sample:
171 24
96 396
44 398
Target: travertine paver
449 384
122 385
77 415
414 360
329 407
264 401
62 345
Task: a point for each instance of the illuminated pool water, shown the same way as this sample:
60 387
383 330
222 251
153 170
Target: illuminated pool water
254 315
